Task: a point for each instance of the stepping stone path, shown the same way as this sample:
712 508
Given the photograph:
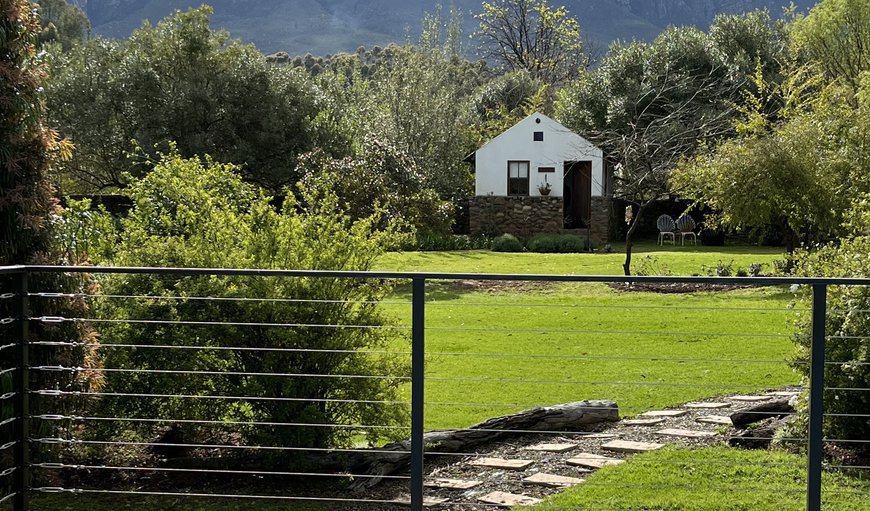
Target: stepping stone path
452 484
685 433
749 399
551 447
721 420
502 463
503 499
664 413
631 447
707 406
515 473
593 460
643 422
427 501
552 480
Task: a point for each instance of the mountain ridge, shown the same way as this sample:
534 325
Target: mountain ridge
321 27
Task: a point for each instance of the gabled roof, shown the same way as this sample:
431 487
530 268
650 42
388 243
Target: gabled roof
545 120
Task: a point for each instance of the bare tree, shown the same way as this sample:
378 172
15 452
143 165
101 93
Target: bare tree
532 35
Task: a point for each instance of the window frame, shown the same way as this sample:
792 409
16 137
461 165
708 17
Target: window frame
528 165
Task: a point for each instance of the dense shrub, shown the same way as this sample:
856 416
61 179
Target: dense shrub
558 243
436 242
507 243
846 324
195 213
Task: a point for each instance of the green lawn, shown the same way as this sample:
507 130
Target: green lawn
681 260
492 351
710 479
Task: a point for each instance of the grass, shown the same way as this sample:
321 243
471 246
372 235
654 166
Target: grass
515 350
710 479
681 260
493 351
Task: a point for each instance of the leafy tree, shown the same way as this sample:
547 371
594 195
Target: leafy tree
532 35
198 213
28 210
847 350
836 35
179 81
380 178
798 175
62 23
649 106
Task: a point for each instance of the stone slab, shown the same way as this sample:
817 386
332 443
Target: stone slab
721 420
552 480
427 501
643 422
632 447
664 413
592 460
452 484
502 463
557 447
504 499
783 393
749 399
601 436
708 406
685 433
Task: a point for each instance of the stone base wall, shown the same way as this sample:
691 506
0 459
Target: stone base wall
599 228
526 216
520 216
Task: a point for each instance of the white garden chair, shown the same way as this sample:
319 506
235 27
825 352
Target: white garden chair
686 226
666 227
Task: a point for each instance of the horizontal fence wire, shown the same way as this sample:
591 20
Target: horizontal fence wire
60 441
552 357
61 393
218 299
216 348
85 418
284 498
61 319
173 470
56 369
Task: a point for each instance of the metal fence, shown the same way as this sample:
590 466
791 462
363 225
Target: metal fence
114 425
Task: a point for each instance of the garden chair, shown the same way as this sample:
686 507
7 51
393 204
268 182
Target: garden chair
686 226
666 227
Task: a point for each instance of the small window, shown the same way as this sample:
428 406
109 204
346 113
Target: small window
539 136
546 169
518 178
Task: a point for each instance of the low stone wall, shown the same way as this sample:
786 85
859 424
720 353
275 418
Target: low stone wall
599 224
520 216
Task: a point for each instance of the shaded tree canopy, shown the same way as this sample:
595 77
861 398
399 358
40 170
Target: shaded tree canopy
179 81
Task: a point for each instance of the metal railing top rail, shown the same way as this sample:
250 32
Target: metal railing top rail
760 281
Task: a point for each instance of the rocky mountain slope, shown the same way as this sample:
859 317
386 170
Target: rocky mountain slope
327 26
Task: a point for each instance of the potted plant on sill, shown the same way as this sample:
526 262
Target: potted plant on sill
544 188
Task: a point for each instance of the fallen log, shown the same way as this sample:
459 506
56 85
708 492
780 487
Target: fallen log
779 409
758 438
563 417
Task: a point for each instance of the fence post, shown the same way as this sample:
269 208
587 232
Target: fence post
418 352
816 399
21 480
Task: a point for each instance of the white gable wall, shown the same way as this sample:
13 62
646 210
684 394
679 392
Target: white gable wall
516 144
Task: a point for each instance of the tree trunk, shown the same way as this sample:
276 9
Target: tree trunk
630 235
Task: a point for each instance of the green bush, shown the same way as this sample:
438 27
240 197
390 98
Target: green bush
846 325
195 213
442 242
507 243
558 243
